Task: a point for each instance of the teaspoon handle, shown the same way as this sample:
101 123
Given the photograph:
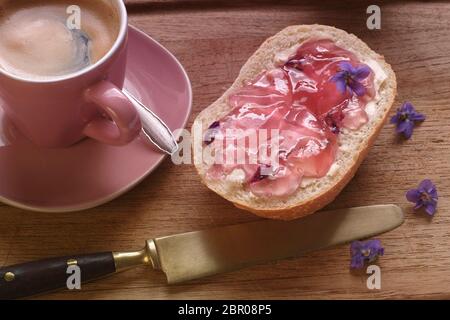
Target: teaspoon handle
154 128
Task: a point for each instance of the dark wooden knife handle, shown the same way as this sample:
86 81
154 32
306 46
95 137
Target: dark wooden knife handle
27 279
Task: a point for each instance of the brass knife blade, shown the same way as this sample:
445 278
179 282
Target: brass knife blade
199 254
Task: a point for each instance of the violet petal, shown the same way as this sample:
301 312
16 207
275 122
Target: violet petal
408 130
346 66
413 195
417 117
426 185
341 86
395 118
362 72
430 208
358 88
211 132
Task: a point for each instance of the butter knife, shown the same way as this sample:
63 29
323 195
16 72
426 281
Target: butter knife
154 128
193 255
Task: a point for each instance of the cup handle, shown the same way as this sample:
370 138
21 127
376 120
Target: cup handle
125 125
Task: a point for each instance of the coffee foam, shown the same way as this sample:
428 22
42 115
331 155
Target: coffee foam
36 43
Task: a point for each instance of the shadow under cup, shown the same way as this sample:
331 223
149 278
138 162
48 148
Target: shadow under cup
58 111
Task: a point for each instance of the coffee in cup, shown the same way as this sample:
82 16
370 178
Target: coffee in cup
40 39
61 81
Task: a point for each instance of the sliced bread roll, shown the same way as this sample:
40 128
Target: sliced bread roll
353 145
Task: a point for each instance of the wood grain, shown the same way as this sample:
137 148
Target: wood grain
213 39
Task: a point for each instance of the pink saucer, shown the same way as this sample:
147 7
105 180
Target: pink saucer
89 174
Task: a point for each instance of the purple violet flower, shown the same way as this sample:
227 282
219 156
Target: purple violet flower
211 133
365 251
349 78
405 119
424 196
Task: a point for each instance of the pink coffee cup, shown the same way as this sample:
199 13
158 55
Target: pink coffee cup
61 111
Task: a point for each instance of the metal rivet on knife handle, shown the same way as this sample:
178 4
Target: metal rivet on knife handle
9 276
72 262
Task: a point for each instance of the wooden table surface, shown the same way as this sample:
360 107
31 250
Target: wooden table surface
213 39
